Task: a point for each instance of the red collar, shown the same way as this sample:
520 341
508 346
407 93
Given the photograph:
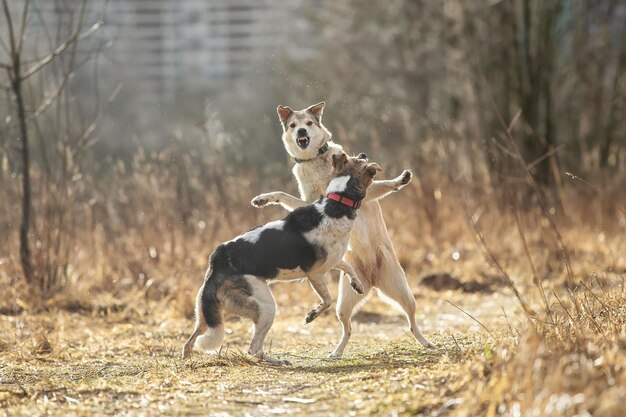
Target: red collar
344 200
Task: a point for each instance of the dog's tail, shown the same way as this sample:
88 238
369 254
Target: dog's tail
209 309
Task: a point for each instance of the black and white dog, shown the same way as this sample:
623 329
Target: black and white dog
309 242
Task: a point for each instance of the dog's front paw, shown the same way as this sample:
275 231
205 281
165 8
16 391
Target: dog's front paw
335 354
404 178
259 201
275 361
311 316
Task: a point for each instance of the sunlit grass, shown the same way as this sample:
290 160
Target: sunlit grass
106 336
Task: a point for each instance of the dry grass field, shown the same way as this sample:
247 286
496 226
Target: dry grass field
127 363
108 343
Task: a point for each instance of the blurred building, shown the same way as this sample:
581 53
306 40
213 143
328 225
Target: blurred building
194 41
156 46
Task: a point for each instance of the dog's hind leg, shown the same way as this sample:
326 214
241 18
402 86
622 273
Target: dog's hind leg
263 317
355 282
393 284
200 328
346 301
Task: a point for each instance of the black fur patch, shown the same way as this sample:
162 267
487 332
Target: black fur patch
303 219
353 190
275 249
210 303
211 306
336 210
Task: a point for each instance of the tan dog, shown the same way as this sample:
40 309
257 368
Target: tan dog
370 250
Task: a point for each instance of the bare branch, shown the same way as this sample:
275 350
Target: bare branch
20 40
86 134
49 99
473 318
7 16
522 235
543 157
61 48
491 258
43 22
503 148
594 187
4 46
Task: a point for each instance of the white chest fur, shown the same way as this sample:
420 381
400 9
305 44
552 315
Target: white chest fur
332 234
369 231
313 176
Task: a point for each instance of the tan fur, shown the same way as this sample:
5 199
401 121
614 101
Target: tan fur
360 169
370 250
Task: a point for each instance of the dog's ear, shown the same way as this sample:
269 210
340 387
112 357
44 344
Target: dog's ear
317 110
283 113
339 160
372 169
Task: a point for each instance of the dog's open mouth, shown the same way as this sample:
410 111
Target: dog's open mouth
303 142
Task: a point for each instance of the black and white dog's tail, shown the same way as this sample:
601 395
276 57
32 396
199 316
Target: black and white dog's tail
209 310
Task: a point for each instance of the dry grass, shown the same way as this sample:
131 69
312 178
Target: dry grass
127 361
103 336
118 355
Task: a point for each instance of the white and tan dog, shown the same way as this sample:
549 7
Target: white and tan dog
370 252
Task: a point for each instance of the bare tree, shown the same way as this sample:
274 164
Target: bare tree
22 69
16 78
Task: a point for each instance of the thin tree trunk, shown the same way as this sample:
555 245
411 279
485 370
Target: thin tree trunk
25 255
15 76
612 118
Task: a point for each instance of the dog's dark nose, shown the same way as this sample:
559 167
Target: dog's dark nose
362 155
302 132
